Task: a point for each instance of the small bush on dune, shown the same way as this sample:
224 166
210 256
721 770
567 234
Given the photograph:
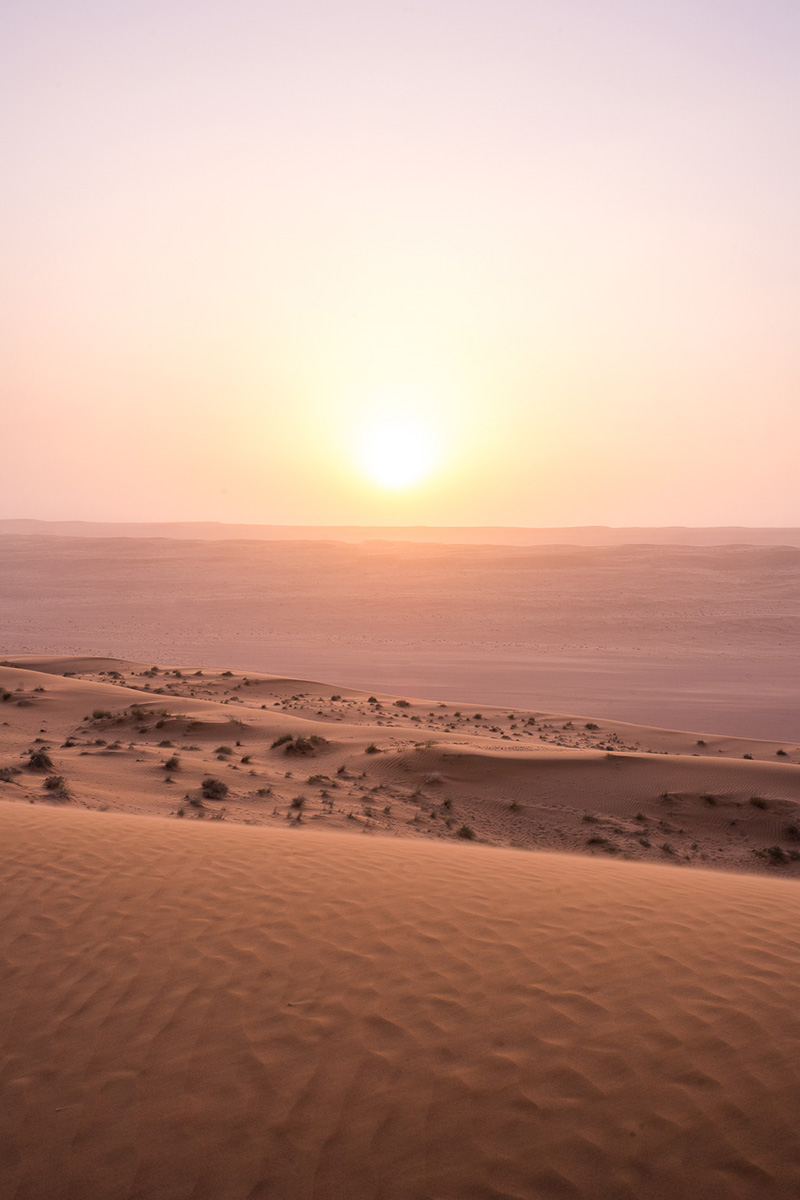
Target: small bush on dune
39 760
372 749
213 789
101 714
282 740
57 784
302 745
172 763
758 802
467 833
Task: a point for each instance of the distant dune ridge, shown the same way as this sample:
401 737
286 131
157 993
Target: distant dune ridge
494 535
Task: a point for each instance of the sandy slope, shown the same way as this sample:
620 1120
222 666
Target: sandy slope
217 1012
139 739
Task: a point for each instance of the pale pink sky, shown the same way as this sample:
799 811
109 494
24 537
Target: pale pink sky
561 236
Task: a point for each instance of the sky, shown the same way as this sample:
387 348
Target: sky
461 262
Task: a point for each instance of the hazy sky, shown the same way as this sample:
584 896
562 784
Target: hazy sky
250 249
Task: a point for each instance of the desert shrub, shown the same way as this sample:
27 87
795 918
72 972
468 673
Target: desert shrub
709 799
55 783
372 749
282 740
298 802
8 773
372 700
101 714
747 756
5 696
213 789
227 674
246 758
401 704
758 802
172 763
776 855
589 818
668 848
596 840
781 753
467 833
137 713
302 745
39 760
700 742
223 750
792 831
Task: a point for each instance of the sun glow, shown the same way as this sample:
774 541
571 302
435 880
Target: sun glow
397 449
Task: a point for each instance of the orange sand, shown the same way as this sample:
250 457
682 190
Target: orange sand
214 1012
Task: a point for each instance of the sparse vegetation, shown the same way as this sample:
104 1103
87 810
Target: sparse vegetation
305 745
172 763
213 789
101 714
758 802
223 750
781 753
56 783
591 725
467 833
372 749
282 740
39 760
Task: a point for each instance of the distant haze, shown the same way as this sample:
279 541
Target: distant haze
559 239
593 535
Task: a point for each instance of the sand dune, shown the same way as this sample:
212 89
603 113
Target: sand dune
220 1013
144 739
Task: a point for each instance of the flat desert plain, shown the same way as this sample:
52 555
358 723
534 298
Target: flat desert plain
696 637
269 938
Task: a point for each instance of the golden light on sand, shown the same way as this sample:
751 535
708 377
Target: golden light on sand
397 449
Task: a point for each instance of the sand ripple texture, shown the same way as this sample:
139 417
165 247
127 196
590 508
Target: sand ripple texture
227 1013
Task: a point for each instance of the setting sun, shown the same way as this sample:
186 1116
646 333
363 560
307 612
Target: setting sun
397 450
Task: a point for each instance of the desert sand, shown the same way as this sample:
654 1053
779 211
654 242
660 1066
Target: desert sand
217 1012
361 966
270 938
143 739
686 636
